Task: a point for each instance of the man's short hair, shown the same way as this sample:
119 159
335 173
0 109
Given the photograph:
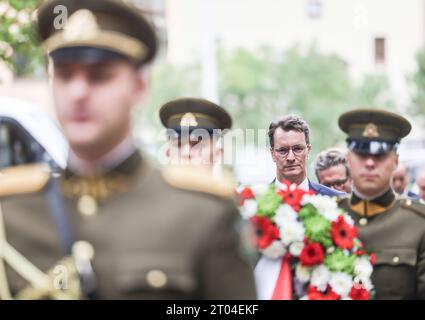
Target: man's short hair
289 123
330 158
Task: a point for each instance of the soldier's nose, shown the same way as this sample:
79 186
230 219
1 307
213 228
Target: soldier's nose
78 86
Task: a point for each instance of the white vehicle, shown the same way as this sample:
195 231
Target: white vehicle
29 134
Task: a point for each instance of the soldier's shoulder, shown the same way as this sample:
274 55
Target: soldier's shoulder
198 179
413 206
24 179
342 199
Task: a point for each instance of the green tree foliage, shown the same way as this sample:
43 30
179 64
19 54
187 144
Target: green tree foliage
257 87
168 82
418 82
18 40
260 87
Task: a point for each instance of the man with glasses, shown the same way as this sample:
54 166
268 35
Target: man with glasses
393 228
332 170
290 148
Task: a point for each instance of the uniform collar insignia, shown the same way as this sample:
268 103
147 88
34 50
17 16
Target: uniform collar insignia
374 206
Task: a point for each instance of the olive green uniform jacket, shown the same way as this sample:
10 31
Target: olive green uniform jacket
394 228
169 235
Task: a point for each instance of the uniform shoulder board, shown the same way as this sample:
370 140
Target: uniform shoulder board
413 205
197 178
23 179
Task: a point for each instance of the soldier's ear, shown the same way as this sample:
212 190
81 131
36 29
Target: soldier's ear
141 84
396 160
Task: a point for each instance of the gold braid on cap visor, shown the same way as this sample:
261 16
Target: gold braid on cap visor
105 39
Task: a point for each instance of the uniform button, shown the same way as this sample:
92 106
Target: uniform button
408 202
363 221
87 205
396 259
83 250
156 278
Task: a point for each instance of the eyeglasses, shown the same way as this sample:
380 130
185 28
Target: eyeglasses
335 183
297 150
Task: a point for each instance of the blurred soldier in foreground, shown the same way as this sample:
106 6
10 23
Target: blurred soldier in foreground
400 182
392 228
111 226
332 170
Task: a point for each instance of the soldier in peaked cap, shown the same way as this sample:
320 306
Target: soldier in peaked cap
195 127
111 226
391 226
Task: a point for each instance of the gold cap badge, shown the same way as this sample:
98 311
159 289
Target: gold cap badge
82 25
370 131
188 120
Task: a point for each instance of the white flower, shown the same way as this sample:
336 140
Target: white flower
259 189
325 205
249 208
295 248
23 17
320 277
285 213
291 231
303 273
330 249
341 283
363 267
304 298
365 281
14 29
275 250
348 219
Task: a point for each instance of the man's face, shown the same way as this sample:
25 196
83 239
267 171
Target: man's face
290 153
371 174
400 180
194 151
335 177
93 103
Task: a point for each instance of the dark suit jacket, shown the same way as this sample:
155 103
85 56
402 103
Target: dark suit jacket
413 195
321 189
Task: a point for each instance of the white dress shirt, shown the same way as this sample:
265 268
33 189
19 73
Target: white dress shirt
303 185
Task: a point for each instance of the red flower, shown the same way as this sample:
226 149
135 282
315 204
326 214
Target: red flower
292 198
312 254
343 234
358 292
314 294
372 258
246 194
360 252
266 231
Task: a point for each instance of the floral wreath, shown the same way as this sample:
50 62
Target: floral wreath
318 238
